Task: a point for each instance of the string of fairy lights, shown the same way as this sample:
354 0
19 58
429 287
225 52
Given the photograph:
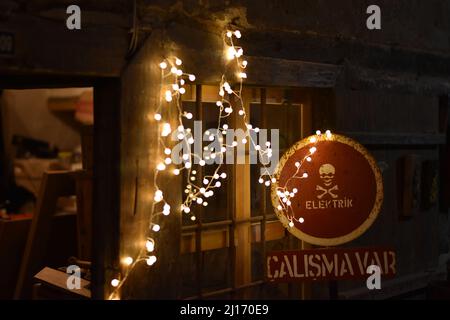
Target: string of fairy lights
173 85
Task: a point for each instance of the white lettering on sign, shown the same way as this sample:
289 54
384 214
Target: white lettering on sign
73 22
374 20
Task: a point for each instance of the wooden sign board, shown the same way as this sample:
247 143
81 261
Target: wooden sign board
340 197
328 264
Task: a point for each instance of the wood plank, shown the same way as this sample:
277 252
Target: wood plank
58 280
62 104
401 138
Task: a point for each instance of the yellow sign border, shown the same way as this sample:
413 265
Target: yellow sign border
355 233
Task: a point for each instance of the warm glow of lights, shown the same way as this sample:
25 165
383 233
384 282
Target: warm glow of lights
163 65
178 62
128 261
157 117
115 282
191 77
176 172
156 227
150 245
151 260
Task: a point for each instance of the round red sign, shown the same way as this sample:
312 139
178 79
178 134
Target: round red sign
329 190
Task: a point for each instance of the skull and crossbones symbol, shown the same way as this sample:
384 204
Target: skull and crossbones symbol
327 172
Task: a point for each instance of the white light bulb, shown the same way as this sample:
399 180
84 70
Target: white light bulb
244 141
168 160
187 165
158 196
185 156
291 224
151 260
242 75
193 218
238 34
218 103
223 175
295 190
173 70
301 220
187 209
199 200
313 149
318 132
305 175
156 227
182 82
178 62
225 126
218 184
128 261
161 166
180 136
328 133
168 98
176 172
308 159
167 151
205 181
157 117
205 203
231 53
115 282
244 63
221 93
191 140
175 86
192 178
150 245
202 190
234 144
166 129
240 52
241 112
179 72
191 77
267 183
261 180
297 164
229 34
182 90
228 110
202 162
268 144
163 65
274 180
189 115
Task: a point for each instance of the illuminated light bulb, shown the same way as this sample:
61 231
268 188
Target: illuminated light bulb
185 156
188 115
128 261
218 103
150 245
242 75
166 210
187 209
295 190
239 53
158 196
216 176
274 180
202 190
268 144
234 144
180 136
318 132
191 140
156 227
221 92
313 149
226 86
301 220
288 203
182 90
186 191
175 87
305 175
205 203
151 260
192 178
193 218
168 160
199 200
163 65
166 129
187 165
231 53
213 156
313 139
218 184
284 200
202 162
229 34
161 166
257 147
249 126
176 172
211 138
205 181
292 195
182 82
178 62
180 128
328 133
223 175
280 207
211 193
261 180
286 193
223 149
228 110
297 164
179 72
189 186
167 151
244 63
168 98
267 183
244 141
308 159
291 224
238 34
115 282
256 129
157 117
173 70
191 77
225 126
